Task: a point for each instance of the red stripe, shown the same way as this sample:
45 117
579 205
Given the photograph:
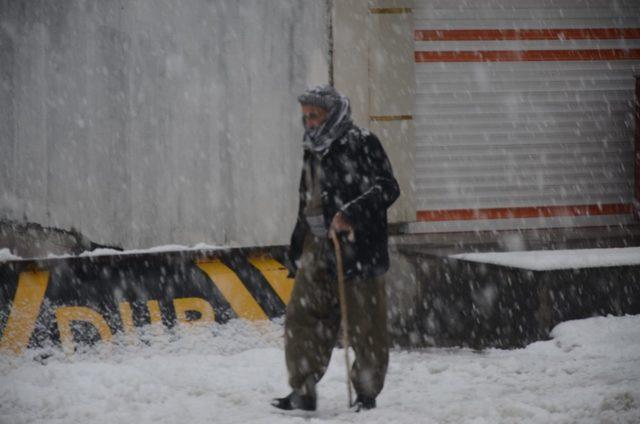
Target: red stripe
526 55
524 212
526 34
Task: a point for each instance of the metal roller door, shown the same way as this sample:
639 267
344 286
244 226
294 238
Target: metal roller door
524 113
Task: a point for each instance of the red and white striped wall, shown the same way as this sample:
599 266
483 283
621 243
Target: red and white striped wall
524 113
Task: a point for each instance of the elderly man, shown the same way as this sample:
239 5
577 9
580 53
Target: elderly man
347 185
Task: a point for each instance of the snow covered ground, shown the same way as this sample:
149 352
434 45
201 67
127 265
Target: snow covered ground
588 373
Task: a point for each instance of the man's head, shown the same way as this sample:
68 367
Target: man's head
316 103
326 116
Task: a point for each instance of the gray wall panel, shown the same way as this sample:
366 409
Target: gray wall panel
143 123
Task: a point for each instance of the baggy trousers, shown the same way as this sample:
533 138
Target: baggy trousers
312 325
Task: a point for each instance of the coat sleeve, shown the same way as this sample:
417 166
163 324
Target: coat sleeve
384 189
297 237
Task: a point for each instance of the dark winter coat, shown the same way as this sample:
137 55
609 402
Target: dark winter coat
357 180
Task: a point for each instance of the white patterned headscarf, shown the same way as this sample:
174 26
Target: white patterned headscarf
318 139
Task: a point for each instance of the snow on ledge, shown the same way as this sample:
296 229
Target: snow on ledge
547 260
155 249
6 255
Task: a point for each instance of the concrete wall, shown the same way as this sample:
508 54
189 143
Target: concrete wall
146 122
350 19
373 65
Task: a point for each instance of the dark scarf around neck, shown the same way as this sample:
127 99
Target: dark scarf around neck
318 140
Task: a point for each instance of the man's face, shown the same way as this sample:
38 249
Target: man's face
313 116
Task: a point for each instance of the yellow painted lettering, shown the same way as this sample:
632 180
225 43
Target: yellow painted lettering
24 310
155 317
184 305
126 315
65 315
154 312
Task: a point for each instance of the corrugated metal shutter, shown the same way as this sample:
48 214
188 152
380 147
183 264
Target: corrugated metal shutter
524 113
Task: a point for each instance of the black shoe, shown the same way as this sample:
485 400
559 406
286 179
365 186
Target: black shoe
295 401
364 403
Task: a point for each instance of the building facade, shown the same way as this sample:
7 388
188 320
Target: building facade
144 123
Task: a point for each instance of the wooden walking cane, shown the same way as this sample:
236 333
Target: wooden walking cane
343 311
